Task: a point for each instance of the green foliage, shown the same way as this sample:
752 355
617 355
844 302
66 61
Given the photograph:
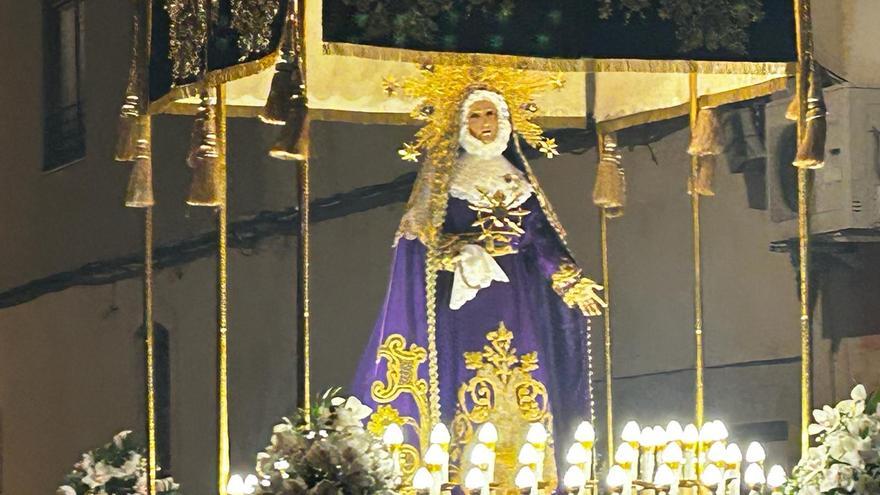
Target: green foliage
419 21
699 24
712 25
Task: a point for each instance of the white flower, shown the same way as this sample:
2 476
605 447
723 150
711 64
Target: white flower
859 393
838 476
358 410
166 485
131 464
65 490
85 463
827 418
845 448
141 486
120 437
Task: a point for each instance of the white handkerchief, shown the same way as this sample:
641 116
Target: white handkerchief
474 270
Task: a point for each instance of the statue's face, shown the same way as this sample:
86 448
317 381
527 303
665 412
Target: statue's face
482 121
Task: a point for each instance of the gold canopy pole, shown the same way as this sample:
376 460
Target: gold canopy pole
150 350
802 32
606 282
222 285
303 197
698 278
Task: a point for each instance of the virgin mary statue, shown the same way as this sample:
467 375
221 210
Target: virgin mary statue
483 295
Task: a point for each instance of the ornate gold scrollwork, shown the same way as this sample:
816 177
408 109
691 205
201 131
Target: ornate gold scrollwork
402 377
504 392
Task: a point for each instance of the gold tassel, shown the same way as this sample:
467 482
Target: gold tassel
204 158
610 188
614 212
293 142
140 182
791 111
811 149
129 130
702 183
707 137
286 86
134 104
287 83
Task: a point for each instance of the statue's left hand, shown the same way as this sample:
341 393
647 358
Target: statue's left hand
587 299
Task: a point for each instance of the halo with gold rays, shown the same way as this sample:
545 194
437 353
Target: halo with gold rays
440 90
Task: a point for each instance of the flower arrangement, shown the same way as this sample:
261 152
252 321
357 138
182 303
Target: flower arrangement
118 468
327 452
847 457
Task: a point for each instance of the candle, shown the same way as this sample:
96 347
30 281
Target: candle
646 460
475 482
630 435
235 485
689 438
721 432
440 436
393 439
672 457
733 460
716 453
526 481
775 479
577 456
707 437
711 478
664 479
480 458
435 459
488 436
673 431
660 441
537 438
586 435
754 478
755 454
422 481
617 480
574 480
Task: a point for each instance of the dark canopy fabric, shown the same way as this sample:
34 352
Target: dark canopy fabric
223 50
568 29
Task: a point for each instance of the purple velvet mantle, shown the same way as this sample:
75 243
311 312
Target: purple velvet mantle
531 310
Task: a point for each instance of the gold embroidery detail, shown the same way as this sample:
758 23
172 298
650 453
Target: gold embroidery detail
188 34
402 377
409 455
576 290
253 23
504 392
500 223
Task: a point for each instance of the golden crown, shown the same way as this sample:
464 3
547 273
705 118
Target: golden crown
440 91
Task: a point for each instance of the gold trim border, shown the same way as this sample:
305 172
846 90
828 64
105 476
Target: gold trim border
711 100
168 102
561 64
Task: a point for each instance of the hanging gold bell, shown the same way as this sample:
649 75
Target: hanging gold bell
206 186
140 182
609 190
707 136
811 149
293 142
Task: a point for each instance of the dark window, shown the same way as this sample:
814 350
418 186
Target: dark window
63 130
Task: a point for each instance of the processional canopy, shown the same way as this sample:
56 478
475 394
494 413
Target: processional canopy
621 72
